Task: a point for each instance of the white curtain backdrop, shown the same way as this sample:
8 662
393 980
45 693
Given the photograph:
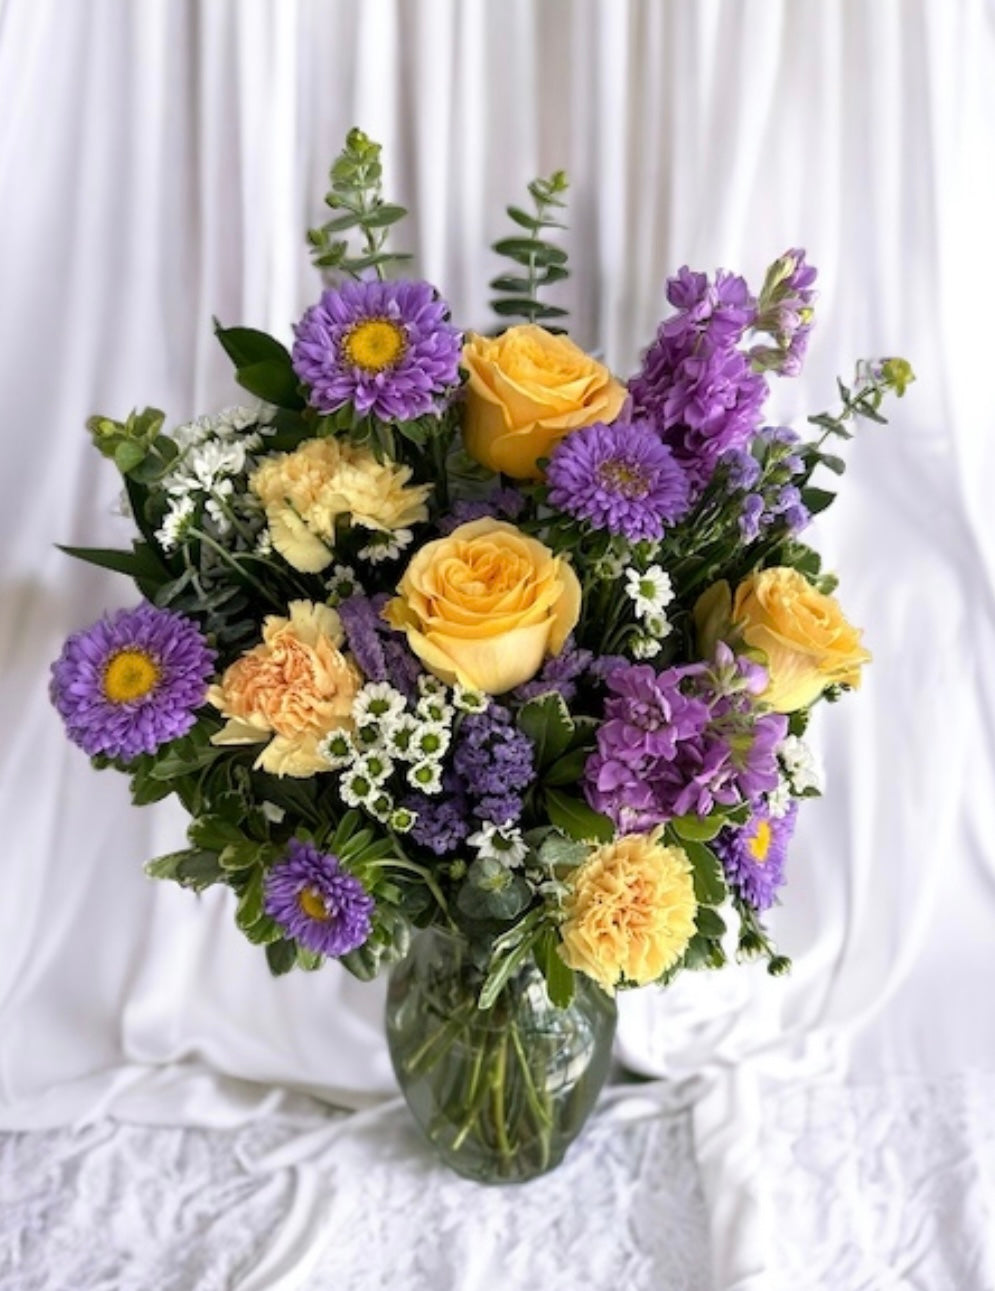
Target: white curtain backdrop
159 163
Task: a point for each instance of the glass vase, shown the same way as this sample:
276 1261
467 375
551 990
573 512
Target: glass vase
499 1094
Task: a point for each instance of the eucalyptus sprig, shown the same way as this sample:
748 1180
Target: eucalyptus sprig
356 191
542 262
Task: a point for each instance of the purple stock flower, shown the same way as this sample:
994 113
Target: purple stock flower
385 347
620 478
130 682
679 742
785 313
315 901
753 857
723 310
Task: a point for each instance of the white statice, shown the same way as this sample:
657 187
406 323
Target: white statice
651 591
386 545
800 765
378 701
175 523
503 843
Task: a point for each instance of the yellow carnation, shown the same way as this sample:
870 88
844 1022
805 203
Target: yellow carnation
305 492
630 911
527 389
289 691
802 634
485 606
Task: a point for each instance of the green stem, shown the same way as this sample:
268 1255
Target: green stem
229 559
498 1076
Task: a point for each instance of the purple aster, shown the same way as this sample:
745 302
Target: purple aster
315 901
131 682
385 347
753 857
680 742
620 478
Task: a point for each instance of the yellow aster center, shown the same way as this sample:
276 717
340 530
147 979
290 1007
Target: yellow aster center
313 904
130 674
759 844
374 344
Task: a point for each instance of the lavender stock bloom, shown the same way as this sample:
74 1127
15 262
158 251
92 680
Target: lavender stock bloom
385 347
130 683
679 742
785 313
620 478
315 901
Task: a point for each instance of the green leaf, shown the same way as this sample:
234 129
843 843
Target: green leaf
546 721
556 850
383 215
559 977
165 867
699 828
577 820
833 463
281 956
250 905
128 455
568 769
183 757
816 500
214 833
709 879
709 922
501 972
139 563
271 381
508 282
526 251
246 346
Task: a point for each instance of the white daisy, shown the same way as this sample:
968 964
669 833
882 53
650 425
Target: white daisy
385 546
175 523
469 701
651 591
431 740
356 789
342 584
402 820
432 708
502 843
644 647
378 701
375 765
426 776
399 738
337 749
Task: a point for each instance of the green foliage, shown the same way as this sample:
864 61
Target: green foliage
356 195
491 891
560 981
262 366
130 442
576 819
538 262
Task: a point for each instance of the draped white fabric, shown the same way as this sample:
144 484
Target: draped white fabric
159 162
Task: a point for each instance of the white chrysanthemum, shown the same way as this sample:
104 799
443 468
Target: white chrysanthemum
431 740
403 819
342 584
651 591
645 647
385 545
375 765
657 625
800 765
356 789
426 776
381 806
399 738
378 701
429 685
175 523
469 701
779 799
338 749
264 543
432 708
502 843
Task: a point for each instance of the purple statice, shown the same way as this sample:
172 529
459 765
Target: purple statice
560 673
315 901
680 742
494 760
387 348
381 652
131 682
769 498
443 821
620 478
751 517
742 469
785 313
696 388
754 855
506 504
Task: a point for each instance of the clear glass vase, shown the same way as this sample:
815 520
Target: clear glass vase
499 1094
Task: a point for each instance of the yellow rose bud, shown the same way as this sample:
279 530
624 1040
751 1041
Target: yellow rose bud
630 911
527 389
485 606
290 691
804 638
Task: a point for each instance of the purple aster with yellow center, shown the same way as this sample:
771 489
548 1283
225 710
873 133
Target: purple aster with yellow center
621 478
316 902
387 348
131 682
753 857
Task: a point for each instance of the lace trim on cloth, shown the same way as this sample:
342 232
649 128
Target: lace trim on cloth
331 1203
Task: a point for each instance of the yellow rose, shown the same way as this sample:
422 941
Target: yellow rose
806 641
630 911
290 691
527 389
485 606
306 491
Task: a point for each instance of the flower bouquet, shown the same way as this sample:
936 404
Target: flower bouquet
460 636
